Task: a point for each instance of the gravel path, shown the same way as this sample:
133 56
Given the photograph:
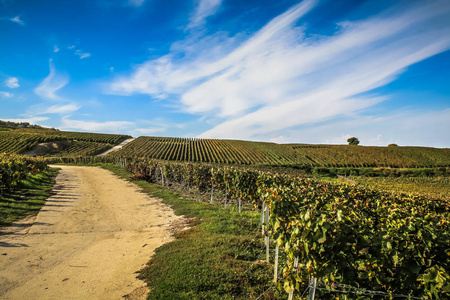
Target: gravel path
87 242
115 148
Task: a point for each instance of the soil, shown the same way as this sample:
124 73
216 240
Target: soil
117 147
47 148
87 242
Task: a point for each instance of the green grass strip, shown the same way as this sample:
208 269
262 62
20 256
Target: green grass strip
219 257
27 198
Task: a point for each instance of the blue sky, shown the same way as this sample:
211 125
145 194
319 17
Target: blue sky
312 71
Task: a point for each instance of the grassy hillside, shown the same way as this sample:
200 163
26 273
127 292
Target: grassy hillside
366 156
258 153
23 137
19 140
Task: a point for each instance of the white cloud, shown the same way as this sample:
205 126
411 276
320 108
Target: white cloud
12 82
51 84
408 128
59 109
280 78
204 9
109 126
17 20
6 94
82 54
56 48
31 120
150 131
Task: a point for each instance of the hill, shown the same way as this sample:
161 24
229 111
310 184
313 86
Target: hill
34 140
260 153
22 138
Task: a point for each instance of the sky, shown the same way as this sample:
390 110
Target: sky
284 71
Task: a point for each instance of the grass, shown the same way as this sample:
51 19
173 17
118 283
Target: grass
27 198
219 257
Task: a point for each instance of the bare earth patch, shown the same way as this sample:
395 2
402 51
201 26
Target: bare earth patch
87 242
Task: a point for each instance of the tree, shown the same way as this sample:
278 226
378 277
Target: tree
392 145
353 141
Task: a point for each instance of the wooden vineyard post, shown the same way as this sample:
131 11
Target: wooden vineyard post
262 217
162 175
239 201
212 191
267 238
275 267
312 288
291 293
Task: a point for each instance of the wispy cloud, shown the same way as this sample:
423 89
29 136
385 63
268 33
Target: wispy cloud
406 128
12 82
109 126
204 9
6 94
17 20
32 120
51 84
54 109
82 54
78 52
150 130
280 77
55 48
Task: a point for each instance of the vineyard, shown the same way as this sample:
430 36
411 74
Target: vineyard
363 156
23 139
390 242
259 153
340 234
437 187
14 168
390 234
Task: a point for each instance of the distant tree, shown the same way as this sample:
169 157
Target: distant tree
392 145
353 141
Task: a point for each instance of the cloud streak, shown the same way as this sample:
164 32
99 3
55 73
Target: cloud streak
93 126
6 94
51 84
282 77
204 9
54 109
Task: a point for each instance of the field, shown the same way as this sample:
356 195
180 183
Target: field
259 153
388 233
436 187
21 140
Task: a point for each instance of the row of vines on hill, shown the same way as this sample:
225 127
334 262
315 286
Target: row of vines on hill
360 156
197 150
20 140
343 234
14 167
259 153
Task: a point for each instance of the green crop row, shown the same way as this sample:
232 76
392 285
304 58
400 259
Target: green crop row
14 168
259 153
21 140
382 241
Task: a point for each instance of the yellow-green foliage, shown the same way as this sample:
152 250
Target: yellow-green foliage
14 167
22 139
259 153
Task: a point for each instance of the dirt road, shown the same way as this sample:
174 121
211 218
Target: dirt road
86 243
115 148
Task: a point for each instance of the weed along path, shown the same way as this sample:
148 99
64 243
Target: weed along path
87 242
